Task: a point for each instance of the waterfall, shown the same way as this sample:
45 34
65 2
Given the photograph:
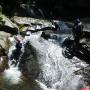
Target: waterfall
12 74
56 72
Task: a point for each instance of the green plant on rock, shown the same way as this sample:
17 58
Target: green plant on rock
2 22
1 17
21 26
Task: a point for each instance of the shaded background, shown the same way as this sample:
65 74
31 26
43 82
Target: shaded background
67 9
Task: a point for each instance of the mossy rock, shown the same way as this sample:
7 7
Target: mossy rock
6 21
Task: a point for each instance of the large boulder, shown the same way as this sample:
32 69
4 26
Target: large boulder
7 25
31 24
7 28
29 62
4 47
7 21
31 21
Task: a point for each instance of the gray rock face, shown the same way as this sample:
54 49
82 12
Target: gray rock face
7 25
6 29
3 38
4 46
30 21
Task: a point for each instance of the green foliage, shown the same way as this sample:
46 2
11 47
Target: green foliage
0 18
21 26
2 22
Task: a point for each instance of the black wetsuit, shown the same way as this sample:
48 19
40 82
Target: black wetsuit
16 53
18 50
18 46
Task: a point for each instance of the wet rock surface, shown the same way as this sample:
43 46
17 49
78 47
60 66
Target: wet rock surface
4 47
6 30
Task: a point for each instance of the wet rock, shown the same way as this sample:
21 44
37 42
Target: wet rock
4 47
28 62
7 21
4 39
7 25
31 21
45 36
8 29
85 72
3 63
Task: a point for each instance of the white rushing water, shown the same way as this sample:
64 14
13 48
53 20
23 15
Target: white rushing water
12 74
57 72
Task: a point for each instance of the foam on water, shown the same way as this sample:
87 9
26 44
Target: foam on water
57 72
12 75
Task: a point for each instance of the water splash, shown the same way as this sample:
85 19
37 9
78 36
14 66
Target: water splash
12 74
57 72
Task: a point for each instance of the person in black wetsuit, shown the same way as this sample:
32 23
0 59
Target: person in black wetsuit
77 30
18 48
18 45
17 52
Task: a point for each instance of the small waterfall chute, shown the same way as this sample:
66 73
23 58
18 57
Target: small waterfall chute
12 74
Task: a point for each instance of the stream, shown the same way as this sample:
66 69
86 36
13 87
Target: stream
55 71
